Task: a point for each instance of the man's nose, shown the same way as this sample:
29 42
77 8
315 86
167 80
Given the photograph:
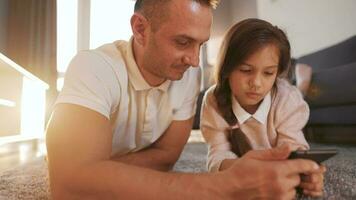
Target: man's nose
192 58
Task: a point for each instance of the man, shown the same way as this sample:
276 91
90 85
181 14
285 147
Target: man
126 110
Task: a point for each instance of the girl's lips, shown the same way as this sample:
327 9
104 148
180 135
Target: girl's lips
253 95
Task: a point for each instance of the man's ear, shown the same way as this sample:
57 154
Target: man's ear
139 26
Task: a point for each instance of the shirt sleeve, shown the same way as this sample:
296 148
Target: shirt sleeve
293 116
90 82
191 91
213 127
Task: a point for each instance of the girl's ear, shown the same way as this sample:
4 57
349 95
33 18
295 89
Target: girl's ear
139 27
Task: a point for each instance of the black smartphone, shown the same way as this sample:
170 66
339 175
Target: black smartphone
317 155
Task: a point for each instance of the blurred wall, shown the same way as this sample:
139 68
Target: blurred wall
242 9
311 24
222 21
3 24
228 13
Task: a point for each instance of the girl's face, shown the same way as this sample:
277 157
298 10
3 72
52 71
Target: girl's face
254 78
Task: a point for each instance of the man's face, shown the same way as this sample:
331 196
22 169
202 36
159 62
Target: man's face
175 45
254 78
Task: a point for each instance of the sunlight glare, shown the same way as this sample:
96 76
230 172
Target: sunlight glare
33 103
67 25
110 21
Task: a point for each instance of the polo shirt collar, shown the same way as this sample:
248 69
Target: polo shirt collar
260 115
134 74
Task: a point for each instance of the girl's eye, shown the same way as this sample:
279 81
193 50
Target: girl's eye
245 70
269 73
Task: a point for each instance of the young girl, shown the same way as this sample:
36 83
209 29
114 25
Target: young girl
251 106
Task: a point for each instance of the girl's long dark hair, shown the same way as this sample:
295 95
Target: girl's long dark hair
240 42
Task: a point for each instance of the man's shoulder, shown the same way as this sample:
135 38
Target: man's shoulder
107 54
190 80
113 52
113 48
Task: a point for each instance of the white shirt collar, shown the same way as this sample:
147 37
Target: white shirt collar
260 115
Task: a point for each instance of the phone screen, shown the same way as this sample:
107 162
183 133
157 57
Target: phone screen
317 155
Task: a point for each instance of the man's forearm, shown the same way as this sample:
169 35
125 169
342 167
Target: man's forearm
114 180
152 157
163 153
227 163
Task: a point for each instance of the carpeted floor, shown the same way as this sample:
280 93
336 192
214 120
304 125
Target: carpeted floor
31 181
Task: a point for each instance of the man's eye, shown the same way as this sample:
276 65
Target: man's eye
182 42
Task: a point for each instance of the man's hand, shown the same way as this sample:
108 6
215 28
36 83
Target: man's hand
313 183
266 174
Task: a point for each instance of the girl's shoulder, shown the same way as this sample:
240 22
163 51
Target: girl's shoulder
288 106
286 93
285 88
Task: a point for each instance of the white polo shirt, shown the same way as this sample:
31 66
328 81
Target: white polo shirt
107 80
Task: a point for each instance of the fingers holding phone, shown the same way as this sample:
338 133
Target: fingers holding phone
313 183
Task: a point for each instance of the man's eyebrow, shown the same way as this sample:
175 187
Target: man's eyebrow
185 37
190 38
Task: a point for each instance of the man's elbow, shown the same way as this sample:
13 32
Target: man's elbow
61 173
171 160
59 186
59 193
169 166
68 183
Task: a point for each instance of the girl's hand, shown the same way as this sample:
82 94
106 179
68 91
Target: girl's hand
313 184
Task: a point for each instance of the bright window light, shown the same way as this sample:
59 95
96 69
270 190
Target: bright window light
31 106
110 21
24 153
33 103
67 29
7 103
60 82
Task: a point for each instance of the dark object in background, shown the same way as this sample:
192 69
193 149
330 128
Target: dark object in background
291 71
196 123
332 93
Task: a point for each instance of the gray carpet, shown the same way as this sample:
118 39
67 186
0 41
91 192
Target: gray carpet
31 181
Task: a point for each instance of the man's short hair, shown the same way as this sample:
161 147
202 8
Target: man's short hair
152 9
142 3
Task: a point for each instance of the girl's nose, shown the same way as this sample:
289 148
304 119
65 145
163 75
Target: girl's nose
255 82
